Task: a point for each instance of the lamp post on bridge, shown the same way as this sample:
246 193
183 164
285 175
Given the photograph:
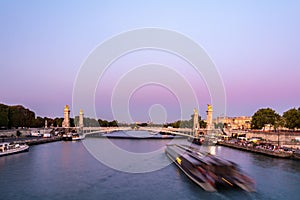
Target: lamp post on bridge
196 123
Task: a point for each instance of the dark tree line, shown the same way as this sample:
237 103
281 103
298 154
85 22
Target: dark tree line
186 123
90 122
18 116
290 119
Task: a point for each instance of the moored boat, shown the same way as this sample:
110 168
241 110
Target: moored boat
296 154
208 171
10 148
279 153
196 140
67 137
76 137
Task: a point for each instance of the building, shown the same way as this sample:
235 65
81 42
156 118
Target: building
235 123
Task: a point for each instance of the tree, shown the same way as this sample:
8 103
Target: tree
264 116
219 125
186 123
203 124
72 124
4 115
18 116
103 123
292 118
58 122
115 123
39 122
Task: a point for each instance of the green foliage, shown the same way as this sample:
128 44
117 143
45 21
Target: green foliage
39 122
144 124
203 124
90 122
186 123
219 125
292 118
103 123
4 109
113 123
72 124
265 116
58 121
18 116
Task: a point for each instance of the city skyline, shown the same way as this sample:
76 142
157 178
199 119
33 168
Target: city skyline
253 44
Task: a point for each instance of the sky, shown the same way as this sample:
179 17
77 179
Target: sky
253 44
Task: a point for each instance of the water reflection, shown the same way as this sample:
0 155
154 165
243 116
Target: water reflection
282 164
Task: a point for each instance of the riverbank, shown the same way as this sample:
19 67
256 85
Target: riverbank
33 141
279 153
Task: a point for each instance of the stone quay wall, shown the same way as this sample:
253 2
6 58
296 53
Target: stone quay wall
284 138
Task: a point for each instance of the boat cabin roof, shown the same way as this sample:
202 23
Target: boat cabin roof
191 159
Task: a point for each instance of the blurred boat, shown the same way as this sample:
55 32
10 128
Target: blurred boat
208 171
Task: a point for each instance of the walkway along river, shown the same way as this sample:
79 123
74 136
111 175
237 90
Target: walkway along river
66 170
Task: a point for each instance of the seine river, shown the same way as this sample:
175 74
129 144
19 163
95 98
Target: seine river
76 170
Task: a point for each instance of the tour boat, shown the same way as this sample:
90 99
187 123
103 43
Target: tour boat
208 171
76 137
9 148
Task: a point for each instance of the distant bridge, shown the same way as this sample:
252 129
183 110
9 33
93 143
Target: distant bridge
188 132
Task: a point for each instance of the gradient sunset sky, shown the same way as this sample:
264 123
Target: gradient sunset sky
255 46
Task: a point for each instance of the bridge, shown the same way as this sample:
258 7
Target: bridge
175 131
194 132
187 132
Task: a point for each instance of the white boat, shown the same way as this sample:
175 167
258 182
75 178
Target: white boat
76 137
35 134
9 148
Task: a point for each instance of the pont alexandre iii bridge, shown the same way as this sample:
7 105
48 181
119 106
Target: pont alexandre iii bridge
188 132
284 138
175 131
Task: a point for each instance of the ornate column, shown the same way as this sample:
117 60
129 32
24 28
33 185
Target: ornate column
209 117
66 122
81 115
196 125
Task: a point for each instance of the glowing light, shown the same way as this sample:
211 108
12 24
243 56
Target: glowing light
178 160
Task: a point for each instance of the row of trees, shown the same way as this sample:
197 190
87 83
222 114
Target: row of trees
290 119
90 122
18 116
186 123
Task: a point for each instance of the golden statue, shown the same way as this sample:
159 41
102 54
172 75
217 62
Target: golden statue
209 107
195 111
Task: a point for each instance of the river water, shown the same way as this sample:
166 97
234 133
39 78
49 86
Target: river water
75 170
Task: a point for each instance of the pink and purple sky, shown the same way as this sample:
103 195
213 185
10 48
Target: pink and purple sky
255 46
